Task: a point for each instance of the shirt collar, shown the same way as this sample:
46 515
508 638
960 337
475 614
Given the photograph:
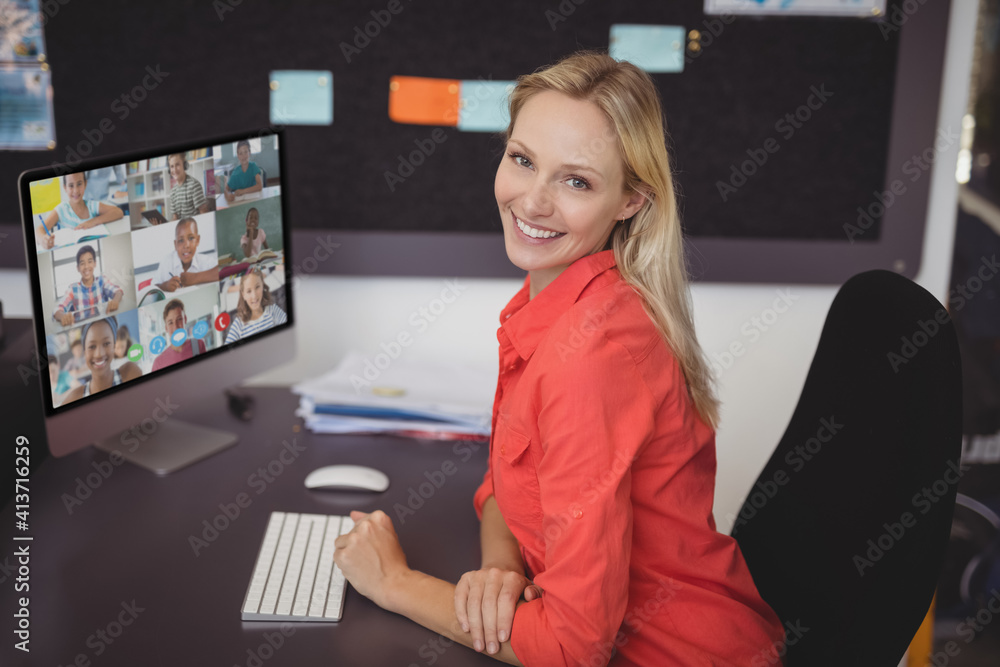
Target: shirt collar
525 321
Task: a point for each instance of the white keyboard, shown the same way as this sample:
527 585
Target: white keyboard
295 578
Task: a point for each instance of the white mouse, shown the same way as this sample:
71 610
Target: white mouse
351 478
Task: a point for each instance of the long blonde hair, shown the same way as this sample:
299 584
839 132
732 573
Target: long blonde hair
649 247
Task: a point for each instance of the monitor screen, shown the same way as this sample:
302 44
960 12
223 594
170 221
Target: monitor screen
145 264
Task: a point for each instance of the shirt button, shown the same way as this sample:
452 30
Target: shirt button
503 449
507 316
577 513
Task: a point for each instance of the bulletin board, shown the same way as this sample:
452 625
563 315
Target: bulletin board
784 130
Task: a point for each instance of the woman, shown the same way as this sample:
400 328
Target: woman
597 532
99 352
76 212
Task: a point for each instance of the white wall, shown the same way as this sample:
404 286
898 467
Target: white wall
760 389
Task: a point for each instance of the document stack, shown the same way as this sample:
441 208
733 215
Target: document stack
384 395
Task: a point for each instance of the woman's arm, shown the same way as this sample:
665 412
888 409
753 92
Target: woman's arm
106 213
500 547
373 561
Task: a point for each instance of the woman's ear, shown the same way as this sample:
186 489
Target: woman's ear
635 202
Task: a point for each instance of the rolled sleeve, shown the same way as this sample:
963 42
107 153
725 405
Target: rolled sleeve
483 493
597 415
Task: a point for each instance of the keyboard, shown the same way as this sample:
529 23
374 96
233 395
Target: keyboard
295 578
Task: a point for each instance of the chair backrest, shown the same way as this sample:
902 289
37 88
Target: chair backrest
846 528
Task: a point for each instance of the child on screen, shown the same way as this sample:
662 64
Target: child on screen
256 310
254 239
185 267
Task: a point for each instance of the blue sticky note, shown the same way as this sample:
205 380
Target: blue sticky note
654 48
301 97
482 105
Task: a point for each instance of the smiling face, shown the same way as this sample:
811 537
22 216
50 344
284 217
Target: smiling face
86 267
253 292
76 185
99 348
253 219
177 168
560 186
186 241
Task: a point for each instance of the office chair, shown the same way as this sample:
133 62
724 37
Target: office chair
846 528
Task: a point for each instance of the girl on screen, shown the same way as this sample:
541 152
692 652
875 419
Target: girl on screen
597 502
99 339
254 239
75 212
256 309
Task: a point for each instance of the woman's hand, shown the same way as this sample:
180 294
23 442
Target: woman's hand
485 601
370 556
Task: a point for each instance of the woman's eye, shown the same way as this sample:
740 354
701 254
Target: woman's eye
520 160
578 183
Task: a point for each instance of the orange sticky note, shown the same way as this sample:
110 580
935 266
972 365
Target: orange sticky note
419 100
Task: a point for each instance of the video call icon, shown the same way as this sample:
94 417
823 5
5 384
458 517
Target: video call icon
135 352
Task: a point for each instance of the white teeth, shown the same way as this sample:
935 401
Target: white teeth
534 233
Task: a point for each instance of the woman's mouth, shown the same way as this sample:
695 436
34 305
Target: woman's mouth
535 233
98 364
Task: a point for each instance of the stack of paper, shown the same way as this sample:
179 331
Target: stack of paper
386 395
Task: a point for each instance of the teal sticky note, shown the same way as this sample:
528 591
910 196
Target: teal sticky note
301 97
654 48
482 105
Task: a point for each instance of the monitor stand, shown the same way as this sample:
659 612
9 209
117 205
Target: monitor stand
173 445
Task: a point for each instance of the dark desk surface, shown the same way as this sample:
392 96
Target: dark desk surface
129 543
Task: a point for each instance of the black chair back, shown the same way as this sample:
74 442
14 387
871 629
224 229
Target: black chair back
846 528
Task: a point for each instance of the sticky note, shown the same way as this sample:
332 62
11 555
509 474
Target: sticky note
483 105
301 97
654 48
418 100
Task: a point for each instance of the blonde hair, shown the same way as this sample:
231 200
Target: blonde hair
649 247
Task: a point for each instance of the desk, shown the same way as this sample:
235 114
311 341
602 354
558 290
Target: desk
269 191
130 541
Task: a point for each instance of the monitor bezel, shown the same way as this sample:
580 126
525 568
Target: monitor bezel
31 258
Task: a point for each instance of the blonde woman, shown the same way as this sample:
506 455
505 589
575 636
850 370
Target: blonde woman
598 542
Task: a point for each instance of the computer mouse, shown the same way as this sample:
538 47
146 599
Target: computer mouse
347 477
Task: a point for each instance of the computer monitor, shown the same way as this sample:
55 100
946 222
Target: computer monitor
158 278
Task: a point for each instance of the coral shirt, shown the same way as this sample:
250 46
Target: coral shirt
605 475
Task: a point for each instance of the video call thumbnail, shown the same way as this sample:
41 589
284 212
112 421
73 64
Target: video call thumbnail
147 264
